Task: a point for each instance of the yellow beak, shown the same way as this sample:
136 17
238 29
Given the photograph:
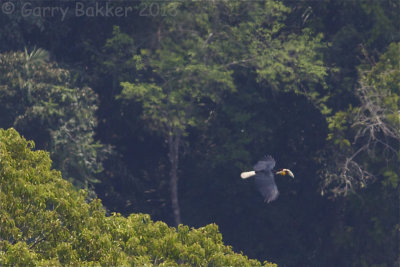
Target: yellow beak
290 173
286 172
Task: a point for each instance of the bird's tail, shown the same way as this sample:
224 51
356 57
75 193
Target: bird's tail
246 175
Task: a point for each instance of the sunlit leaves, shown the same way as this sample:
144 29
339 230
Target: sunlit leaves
45 221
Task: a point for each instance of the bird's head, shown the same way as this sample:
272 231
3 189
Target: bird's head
285 172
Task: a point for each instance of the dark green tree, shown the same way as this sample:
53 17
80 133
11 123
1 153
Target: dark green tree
42 101
196 55
369 131
364 163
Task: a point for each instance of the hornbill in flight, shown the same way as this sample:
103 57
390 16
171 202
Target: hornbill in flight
264 178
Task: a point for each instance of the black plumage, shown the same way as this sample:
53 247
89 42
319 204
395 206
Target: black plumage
264 179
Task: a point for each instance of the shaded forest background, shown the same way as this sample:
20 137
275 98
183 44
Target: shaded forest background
183 96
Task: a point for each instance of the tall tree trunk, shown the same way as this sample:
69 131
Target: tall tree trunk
173 143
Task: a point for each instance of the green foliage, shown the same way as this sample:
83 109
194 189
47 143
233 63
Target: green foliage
373 127
368 166
200 54
193 60
392 179
338 127
278 77
118 57
290 62
186 79
45 221
40 100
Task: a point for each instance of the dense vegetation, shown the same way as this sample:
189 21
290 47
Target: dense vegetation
158 111
45 221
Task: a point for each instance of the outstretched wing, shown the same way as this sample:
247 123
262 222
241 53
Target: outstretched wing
265 164
264 179
265 183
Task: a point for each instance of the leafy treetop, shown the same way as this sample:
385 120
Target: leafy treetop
45 221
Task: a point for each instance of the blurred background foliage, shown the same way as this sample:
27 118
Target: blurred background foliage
188 97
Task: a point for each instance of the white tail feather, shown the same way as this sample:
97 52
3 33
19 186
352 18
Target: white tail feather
246 175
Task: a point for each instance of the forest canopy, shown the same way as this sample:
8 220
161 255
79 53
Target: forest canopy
157 110
45 221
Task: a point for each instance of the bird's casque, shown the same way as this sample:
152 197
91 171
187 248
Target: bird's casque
264 178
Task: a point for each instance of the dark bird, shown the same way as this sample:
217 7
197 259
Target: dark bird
264 178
